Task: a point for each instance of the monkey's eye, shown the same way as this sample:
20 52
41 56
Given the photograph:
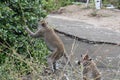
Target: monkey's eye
90 59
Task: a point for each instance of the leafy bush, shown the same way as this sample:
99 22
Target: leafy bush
113 2
17 49
51 5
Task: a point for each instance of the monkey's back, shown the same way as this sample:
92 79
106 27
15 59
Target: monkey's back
52 40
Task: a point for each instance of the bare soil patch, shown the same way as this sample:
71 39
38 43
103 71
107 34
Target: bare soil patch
103 18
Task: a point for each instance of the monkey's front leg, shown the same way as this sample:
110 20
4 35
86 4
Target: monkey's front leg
85 74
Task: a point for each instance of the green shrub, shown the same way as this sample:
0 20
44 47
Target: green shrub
116 3
17 49
51 5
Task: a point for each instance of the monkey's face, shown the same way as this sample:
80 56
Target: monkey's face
43 23
85 60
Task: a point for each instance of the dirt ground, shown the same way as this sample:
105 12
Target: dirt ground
103 18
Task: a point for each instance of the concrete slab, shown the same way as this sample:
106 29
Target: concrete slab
83 30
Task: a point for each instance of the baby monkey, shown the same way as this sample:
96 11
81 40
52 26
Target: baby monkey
89 67
53 42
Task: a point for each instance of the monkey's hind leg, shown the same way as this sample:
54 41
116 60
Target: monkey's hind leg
51 64
52 61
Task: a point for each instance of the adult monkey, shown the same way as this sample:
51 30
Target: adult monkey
53 42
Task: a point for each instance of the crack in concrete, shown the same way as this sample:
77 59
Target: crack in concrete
85 40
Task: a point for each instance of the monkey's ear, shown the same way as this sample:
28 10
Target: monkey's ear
42 21
86 57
